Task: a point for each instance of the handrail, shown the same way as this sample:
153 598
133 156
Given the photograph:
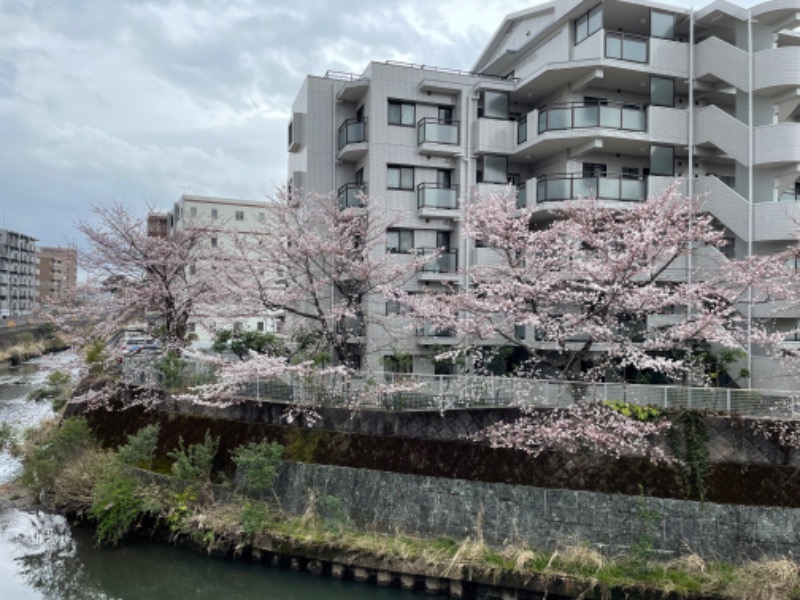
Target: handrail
585 104
398 63
342 75
582 115
437 121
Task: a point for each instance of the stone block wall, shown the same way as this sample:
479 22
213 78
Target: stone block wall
542 518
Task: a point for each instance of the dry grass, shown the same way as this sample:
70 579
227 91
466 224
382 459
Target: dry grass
765 580
691 563
74 484
580 558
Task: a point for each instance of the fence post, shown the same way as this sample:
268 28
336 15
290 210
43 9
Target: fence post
493 391
728 400
666 397
258 389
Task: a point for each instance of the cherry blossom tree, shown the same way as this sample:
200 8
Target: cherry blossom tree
318 264
132 273
592 290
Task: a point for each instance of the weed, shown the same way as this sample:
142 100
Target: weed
254 517
194 463
51 448
141 447
116 504
256 466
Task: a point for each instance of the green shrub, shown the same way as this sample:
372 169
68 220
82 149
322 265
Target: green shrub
6 435
256 466
254 517
96 356
54 447
647 412
116 504
141 447
56 389
194 463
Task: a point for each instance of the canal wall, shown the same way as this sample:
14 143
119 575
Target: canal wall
543 518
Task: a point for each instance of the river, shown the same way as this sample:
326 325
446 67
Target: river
42 557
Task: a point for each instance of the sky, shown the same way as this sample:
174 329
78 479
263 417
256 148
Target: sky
140 101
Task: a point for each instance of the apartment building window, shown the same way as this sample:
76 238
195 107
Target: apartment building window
213 242
662 91
214 213
445 114
594 169
399 178
662 25
587 24
495 105
398 364
630 172
493 169
193 211
240 215
262 216
402 113
662 160
394 307
260 326
400 241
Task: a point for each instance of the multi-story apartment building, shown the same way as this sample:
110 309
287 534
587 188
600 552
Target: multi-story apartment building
221 218
18 274
58 269
569 99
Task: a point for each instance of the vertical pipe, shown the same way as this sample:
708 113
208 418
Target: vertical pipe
750 134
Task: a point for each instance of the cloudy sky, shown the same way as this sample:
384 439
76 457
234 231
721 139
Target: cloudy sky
139 101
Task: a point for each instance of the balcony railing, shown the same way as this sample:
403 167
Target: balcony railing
578 115
350 195
437 196
627 46
791 195
352 131
446 262
522 131
429 330
554 188
437 131
351 326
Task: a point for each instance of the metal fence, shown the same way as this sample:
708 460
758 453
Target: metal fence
405 392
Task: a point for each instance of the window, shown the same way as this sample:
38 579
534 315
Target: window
213 242
291 139
400 178
262 216
214 213
630 172
400 241
495 105
662 91
393 307
662 160
398 364
402 113
240 215
662 25
587 24
495 169
260 326
445 115
594 169
193 211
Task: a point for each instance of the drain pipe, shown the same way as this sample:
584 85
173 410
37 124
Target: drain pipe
751 157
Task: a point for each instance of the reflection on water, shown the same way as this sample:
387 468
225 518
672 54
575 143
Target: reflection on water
41 557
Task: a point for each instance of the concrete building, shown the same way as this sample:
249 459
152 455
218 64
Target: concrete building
18 274
220 216
58 270
571 98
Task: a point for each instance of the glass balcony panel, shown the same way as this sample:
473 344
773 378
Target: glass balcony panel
608 189
613 46
438 133
634 49
585 116
437 197
632 190
558 189
559 118
522 199
541 190
610 117
585 187
542 121
522 131
447 262
633 119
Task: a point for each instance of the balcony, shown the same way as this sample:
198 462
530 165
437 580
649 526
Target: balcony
430 335
351 327
627 46
352 139
578 115
436 200
561 187
351 195
438 136
443 267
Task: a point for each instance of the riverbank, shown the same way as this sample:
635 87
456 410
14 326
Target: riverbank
92 485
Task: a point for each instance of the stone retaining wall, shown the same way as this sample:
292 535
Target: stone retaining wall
542 518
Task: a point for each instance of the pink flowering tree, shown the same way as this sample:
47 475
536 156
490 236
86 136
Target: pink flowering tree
317 265
131 273
593 291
